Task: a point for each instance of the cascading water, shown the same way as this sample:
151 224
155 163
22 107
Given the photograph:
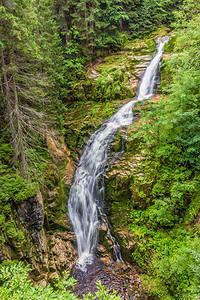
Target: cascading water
87 192
148 82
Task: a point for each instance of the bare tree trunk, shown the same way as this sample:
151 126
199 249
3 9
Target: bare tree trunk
121 25
92 29
10 113
20 134
86 23
121 21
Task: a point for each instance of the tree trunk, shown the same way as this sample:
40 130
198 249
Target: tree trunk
86 24
10 113
121 21
92 29
20 134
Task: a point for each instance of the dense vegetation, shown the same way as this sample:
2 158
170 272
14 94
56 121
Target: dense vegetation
45 47
171 138
163 200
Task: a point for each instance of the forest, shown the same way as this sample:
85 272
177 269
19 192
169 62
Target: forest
65 68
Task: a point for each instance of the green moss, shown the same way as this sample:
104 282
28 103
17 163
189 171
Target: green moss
13 187
86 114
166 77
11 232
132 146
6 209
151 45
118 197
55 195
170 45
6 153
85 120
103 240
116 146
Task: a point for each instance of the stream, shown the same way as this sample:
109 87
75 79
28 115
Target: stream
86 198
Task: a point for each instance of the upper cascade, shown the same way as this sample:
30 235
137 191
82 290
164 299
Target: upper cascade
149 80
87 192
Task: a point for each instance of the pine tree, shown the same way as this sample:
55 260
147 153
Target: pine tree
28 66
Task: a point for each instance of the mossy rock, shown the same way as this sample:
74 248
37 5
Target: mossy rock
55 198
166 77
118 198
171 44
141 195
118 142
133 145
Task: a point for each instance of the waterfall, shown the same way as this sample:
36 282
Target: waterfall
87 192
148 81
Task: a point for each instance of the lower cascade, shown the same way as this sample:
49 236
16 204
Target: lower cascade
87 192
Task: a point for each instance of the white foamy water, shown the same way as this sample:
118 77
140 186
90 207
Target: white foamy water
87 191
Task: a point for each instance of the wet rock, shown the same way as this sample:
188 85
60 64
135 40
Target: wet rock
92 72
31 213
121 277
62 254
57 148
69 172
55 200
53 197
60 151
105 253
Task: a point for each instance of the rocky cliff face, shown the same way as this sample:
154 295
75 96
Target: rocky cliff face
42 219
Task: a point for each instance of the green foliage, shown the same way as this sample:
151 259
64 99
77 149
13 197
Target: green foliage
189 10
150 15
2 220
5 150
11 231
15 285
161 207
177 271
31 61
102 293
7 209
110 86
170 45
193 210
13 187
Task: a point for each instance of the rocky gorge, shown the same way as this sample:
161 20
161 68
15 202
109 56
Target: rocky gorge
49 242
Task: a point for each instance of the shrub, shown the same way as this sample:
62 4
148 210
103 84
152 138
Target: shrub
15 285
